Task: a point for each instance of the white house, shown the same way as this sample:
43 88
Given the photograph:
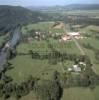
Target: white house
70 69
74 33
82 63
76 68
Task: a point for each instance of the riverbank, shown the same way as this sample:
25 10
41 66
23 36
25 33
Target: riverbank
7 47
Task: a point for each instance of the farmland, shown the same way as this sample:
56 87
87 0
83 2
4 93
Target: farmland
24 66
44 39
89 13
80 94
42 26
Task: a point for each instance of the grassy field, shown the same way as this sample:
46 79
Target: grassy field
89 29
91 53
38 46
68 47
24 66
42 46
43 27
83 12
81 94
70 94
30 96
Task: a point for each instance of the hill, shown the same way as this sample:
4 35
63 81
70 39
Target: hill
82 7
67 7
11 16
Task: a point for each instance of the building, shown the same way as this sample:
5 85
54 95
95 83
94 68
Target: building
70 69
82 63
66 38
74 33
76 68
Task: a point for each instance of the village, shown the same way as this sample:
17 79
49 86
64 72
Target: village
49 52
61 38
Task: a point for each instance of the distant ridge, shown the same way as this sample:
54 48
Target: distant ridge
68 7
82 7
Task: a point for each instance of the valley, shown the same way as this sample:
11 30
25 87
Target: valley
51 59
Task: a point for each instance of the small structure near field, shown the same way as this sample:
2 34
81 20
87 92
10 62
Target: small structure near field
82 63
68 37
76 35
76 68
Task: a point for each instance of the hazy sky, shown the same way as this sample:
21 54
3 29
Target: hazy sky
46 2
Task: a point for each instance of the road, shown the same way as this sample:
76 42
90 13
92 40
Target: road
75 41
78 46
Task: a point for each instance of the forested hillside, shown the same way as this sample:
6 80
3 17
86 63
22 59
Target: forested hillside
11 16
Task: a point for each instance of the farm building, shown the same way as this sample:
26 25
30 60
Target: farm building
75 35
74 68
66 38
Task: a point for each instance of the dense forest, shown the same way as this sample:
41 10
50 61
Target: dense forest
12 16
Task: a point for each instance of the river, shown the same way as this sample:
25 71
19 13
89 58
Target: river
5 50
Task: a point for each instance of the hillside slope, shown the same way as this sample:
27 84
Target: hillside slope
11 16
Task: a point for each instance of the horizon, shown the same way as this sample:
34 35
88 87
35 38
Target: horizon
37 3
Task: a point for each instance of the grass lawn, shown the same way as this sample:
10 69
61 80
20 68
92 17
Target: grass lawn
24 66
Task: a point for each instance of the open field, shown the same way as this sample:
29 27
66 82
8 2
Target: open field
42 46
30 96
42 26
81 94
38 46
89 29
24 66
91 53
83 12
